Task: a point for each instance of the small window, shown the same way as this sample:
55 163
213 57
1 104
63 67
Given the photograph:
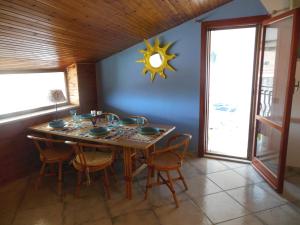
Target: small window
28 92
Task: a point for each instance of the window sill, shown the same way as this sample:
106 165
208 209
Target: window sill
36 114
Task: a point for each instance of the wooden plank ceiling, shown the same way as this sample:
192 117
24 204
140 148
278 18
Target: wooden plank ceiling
52 34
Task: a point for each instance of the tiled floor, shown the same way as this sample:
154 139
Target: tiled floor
219 193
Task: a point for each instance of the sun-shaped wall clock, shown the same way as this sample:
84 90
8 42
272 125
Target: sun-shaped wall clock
156 59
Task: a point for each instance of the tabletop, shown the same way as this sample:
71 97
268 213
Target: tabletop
127 136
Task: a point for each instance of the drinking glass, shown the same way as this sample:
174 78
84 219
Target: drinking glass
110 119
140 122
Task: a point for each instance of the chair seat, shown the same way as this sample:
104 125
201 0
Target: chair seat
96 158
56 154
167 161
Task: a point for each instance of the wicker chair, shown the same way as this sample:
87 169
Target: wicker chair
92 161
168 159
51 154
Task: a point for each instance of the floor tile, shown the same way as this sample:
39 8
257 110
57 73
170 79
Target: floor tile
161 195
17 185
188 170
249 173
206 165
280 215
6 217
292 188
187 211
245 220
12 200
220 207
47 215
264 185
80 210
233 165
44 196
228 179
254 198
119 204
145 217
201 185
99 222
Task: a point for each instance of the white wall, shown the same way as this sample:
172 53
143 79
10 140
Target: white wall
293 153
276 5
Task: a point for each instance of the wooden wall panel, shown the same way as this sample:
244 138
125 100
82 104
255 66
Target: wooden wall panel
82 86
18 157
52 34
86 73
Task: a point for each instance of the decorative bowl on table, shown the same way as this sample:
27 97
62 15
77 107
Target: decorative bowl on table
99 131
148 130
128 121
57 123
87 116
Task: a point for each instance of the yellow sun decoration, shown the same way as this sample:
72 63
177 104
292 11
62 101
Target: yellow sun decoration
156 59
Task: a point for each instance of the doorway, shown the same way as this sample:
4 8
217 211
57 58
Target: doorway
231 60
227 86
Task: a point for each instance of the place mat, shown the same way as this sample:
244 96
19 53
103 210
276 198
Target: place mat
143 138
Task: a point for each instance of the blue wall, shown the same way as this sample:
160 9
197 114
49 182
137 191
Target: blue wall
122 88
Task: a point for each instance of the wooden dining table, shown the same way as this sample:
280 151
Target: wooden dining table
127 137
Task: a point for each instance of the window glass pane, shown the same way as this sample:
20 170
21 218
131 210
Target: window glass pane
19 92
268 146
277 47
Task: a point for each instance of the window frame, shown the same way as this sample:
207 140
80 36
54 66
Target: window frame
39 109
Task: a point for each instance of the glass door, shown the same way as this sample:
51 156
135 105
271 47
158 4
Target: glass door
280 36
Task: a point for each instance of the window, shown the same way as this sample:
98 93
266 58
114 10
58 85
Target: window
23 93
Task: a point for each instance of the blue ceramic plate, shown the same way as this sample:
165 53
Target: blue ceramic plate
57 123
99 131
86 116
128 121
148 130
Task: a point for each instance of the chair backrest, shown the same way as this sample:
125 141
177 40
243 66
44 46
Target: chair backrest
38 140
145 120
108 114
179 143
79 149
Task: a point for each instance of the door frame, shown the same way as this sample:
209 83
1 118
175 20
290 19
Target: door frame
254 21
277 184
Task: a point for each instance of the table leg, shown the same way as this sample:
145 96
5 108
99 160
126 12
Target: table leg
128 171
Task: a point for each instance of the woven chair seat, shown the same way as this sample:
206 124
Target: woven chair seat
167 161
56 154
96 158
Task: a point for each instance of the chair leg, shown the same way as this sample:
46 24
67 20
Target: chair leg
182 179
158 178
42 173
171 187
106 184
59 184
149 177
79 179
113 173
